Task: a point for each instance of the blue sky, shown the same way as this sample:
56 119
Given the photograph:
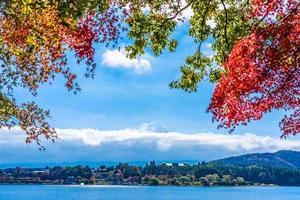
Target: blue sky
125 94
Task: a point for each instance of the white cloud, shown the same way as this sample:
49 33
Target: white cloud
163 141
118 59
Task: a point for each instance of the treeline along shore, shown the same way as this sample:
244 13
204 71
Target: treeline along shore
178 174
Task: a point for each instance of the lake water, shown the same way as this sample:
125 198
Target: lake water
43 192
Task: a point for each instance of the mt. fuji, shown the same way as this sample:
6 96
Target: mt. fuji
152 127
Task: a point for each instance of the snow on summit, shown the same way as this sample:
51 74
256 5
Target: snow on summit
152 127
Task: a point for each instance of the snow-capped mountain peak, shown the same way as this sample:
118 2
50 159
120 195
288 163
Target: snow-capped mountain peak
152 127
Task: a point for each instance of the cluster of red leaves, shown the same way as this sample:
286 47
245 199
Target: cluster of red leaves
94 28
262 72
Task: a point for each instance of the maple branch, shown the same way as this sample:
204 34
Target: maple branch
226 23
260 21
179 11
182 9
242 14
267 13
202 26
278 21
244 6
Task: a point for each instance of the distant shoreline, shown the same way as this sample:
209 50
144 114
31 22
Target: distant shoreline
152 174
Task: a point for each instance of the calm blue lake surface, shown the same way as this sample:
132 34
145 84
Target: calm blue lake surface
32 192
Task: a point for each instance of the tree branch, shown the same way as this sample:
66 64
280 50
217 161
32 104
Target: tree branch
202 26
226 23
179 11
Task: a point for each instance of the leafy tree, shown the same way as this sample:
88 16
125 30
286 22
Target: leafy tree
34 38
256 61
255 66
262 70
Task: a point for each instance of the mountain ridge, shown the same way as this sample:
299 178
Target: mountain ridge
283 159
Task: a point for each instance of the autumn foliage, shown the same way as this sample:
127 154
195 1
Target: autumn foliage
262 72
35 38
